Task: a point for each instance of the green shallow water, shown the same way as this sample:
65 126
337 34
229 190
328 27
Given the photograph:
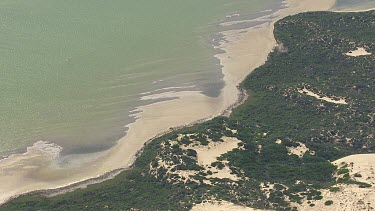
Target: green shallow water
72 70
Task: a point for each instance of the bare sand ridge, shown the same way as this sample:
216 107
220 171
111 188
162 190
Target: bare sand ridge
335 100
350 197
245 50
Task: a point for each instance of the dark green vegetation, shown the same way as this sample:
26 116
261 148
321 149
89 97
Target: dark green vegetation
312 57
329 202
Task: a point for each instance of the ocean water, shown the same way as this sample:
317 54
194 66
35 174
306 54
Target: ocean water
71 72
355 4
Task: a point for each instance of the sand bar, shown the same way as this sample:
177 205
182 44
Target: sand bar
245 50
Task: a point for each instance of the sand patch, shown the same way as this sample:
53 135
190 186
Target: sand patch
220 206
209 154
299 151
224 173
231 130
175 176
266 188
185 175
350 197
335 100
358 52
206 155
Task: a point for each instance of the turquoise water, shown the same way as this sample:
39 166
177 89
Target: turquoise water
71 71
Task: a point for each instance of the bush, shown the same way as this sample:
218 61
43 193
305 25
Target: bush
343 171
334 189
191 152
328 203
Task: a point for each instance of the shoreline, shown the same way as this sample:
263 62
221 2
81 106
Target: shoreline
243 53
242 97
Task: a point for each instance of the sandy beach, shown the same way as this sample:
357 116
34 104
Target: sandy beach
245 49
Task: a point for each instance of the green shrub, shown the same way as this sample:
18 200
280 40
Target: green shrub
334 189
328 203
343 171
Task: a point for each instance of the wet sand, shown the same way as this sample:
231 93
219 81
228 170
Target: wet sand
245 50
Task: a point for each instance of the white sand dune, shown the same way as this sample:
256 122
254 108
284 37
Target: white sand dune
350 197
